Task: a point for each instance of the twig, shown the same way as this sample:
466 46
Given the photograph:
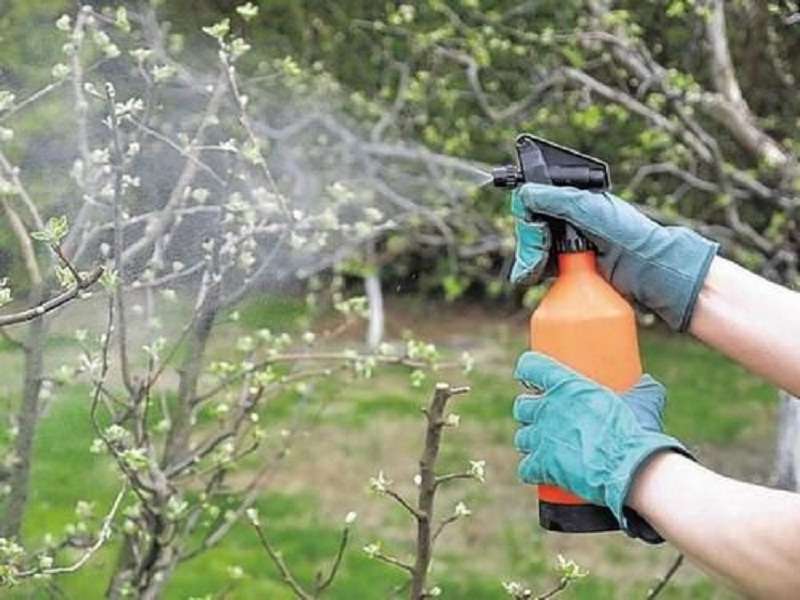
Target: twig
452 476
662 583
337 561
395 562
244 119
102 538
445 522
52 303
403 502
119 262
562 585
190 156
283 568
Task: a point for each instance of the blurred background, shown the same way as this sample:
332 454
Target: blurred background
376 122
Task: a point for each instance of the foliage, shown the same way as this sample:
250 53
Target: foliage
179 159
697 120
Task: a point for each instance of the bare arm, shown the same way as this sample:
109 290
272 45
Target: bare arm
751 320
746 534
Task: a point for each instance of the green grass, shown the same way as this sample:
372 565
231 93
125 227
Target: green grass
711 401
710 398
278 313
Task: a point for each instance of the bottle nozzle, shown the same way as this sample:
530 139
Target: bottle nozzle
507 176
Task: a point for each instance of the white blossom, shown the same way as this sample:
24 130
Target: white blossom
252 516
452 420
238 48
372 550
218 30
467 362
461 510
111 50
247 260
59 71
121 20
247 11
235 572
84 509
516 589
5 292
162 72
176 507
6 100
417 377
64 23
477 469
380 483
373 214
569 569
140 54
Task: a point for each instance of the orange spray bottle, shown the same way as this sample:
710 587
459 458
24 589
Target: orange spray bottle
581 321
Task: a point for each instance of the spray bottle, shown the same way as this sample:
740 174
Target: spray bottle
581 321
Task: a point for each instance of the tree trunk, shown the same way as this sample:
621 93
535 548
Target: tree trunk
142 571
787 455
146 568
190 370
372 286
27 419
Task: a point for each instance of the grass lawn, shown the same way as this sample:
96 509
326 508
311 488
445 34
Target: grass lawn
365 426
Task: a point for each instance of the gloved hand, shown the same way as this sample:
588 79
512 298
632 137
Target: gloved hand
584 438
662 268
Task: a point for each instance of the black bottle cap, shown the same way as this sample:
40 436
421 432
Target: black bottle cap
571 240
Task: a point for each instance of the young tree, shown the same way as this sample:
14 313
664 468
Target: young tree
184 202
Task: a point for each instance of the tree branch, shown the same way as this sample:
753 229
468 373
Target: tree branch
427 483
53 303
283 568
662 583
729 106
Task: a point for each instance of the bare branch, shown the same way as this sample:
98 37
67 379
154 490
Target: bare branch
280 563
729 106
337 561
453 476
515 109
53 303
427 483
440 528
560 587
403 502
395 562
662 583
158 225
102 538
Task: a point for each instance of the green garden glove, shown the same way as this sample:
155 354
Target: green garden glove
584 438
661 268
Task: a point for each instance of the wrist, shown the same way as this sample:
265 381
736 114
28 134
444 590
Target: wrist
646 489
704 256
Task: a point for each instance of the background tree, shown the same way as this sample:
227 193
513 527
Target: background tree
206 152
